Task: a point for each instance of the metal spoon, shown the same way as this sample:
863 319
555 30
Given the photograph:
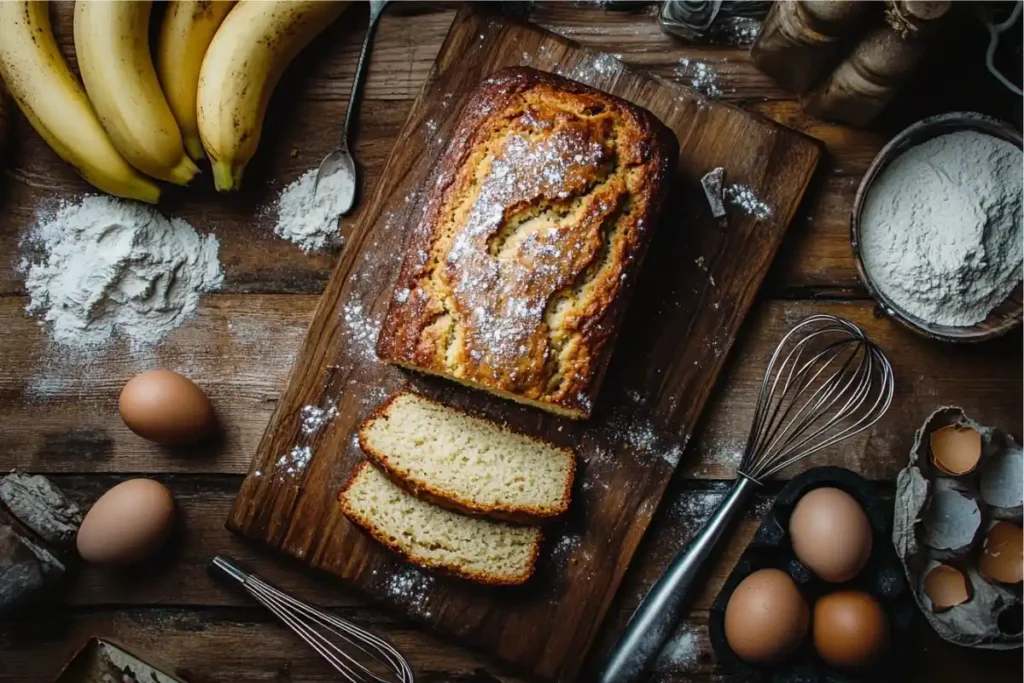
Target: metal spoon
340 160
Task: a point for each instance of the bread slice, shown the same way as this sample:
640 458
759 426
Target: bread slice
443 455
430 536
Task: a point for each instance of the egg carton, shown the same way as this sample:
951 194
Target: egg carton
882 577
993 618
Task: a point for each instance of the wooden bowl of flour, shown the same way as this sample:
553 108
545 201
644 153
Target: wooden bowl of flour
1006 315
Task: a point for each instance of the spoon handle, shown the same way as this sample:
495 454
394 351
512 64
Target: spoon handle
376 8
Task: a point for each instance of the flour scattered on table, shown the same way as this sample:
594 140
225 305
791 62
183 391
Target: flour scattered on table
361 330
314 418
102 267
308 220
641 437
700 76
409 587
682 651
744 198
294 461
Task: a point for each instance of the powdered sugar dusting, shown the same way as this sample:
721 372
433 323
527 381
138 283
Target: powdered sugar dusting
504 281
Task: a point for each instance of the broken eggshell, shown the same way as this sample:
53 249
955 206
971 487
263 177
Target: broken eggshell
1002 553
974 623
946 587
952 518
1002 479
955 449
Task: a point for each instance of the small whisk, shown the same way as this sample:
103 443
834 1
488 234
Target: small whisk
825 382
319 629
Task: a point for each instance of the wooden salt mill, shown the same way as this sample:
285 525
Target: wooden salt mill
801 40
868 79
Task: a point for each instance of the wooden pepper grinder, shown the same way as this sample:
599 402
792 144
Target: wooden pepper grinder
801 40
868 79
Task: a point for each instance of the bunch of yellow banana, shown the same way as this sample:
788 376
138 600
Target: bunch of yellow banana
185 34
217 63
241 68
56 105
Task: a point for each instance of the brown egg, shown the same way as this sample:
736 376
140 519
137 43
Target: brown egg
165 407
127 524
956 449
946 587
851 630
1002 554
831 534
766 618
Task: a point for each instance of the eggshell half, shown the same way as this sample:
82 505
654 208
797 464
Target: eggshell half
1002 554
946 587
956 449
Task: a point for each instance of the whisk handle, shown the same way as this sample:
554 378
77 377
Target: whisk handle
660 610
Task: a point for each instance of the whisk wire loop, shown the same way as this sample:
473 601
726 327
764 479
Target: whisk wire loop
317 627
825 382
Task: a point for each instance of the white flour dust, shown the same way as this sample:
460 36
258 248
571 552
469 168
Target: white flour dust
700 76
941 228
314 418
682 651
746 200
308 220
104 267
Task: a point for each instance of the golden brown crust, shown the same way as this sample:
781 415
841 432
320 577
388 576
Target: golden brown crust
424 491
538 216
368 526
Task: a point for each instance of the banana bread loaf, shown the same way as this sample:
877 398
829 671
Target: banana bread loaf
538 217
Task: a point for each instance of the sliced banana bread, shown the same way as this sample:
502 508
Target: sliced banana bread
431 536
445 456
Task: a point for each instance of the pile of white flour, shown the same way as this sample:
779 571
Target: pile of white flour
312 221
102 267
941 228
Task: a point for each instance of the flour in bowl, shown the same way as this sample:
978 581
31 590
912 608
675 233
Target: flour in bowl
941 228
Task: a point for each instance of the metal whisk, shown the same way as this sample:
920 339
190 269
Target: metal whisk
317 627
825 382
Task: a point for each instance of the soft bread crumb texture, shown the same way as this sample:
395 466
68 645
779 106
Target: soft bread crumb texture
431 536
466 462
538 217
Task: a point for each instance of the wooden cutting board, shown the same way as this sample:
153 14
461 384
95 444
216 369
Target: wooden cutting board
697 285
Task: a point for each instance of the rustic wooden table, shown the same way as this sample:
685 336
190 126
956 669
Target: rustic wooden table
58 416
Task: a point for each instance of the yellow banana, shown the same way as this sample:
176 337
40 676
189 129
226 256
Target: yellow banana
242 66
185 33
112 45
55 104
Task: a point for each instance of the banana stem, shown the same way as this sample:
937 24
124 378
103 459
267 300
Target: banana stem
225 177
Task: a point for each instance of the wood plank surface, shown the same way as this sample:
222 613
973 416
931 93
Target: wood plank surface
681 325
313 94
58 416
